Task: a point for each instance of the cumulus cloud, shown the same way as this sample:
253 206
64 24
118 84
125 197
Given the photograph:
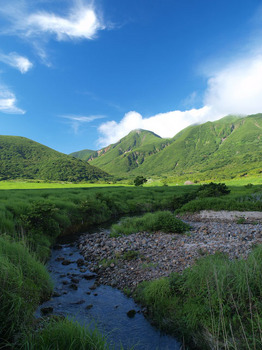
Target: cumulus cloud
76 121
16 61
81 22
8 102
163 124
235 88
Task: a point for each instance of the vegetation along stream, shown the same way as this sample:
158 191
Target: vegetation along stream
114 314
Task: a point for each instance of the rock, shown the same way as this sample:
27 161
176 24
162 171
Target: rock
57 247
73 286
89 276
46 310
79 302
131 313
93 287
80 262
75 280
88 307
66 262
56 295
60 258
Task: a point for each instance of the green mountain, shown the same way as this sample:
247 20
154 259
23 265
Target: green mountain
127 154
225 148
24 158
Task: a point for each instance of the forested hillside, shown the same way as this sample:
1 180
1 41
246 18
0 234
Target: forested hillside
24 158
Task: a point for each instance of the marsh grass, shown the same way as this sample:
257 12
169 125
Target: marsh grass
24 283
31 220
151 222
64 334
215 304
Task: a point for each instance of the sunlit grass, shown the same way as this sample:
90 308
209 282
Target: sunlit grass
16 185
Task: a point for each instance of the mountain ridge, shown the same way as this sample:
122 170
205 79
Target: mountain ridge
226 147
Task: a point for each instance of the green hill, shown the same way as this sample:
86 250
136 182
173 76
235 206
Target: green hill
128 153
24 158
225 148
84 155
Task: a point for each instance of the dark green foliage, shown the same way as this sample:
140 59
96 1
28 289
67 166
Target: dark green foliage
140 180
159 221
40 218
212 190
216 300
24 158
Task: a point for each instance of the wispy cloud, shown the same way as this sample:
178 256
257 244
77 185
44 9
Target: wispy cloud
81 22
8 102
77 121
16 61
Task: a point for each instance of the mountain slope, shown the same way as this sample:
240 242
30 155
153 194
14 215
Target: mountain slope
128 153
225 148
23 158
228 146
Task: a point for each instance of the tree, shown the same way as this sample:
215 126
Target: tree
140 180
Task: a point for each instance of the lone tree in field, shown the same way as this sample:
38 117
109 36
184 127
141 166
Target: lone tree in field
140 180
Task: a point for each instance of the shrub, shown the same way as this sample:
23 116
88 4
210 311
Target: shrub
212 190
139 180
159 221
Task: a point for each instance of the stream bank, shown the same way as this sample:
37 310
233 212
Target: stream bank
77 296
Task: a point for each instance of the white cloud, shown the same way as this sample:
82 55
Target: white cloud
163 124
8 102
235 88
77 120
19 62
81 22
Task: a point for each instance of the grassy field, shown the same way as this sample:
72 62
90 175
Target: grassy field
31 220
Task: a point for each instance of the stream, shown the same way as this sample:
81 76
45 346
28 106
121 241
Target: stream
104 307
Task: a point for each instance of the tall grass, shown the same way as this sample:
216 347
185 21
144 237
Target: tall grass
24 283
64 334
215 304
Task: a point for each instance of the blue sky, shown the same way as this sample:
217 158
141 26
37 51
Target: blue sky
82 74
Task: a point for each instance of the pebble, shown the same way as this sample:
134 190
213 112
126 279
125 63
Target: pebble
159 254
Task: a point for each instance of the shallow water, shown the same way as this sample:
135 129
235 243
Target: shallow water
106 307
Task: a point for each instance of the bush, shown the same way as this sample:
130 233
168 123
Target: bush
139 180
40 218
212 190
159 221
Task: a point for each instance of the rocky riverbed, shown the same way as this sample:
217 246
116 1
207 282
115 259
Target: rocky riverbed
124 262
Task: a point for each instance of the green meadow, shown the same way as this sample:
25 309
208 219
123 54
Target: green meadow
32 216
